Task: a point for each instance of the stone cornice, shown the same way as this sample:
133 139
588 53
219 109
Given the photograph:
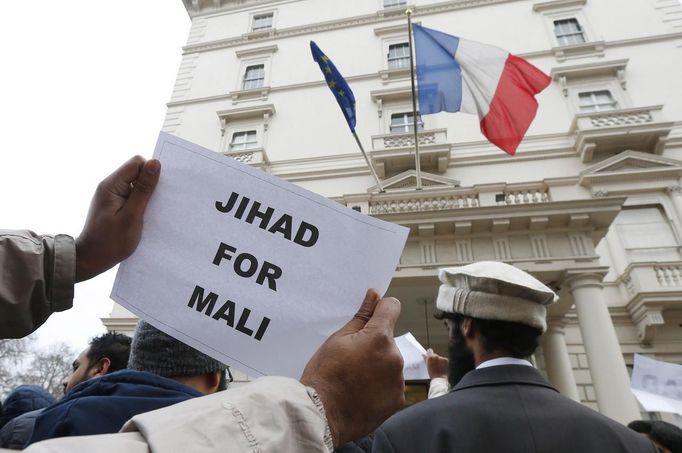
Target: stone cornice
554 5
366 19
376 18
352 164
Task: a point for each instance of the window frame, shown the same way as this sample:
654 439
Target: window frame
580 32
254 14
610 84
573 12
407 125
241 146
595 105
245 73
406 58
255 17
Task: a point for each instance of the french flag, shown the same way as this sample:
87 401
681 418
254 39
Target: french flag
458 75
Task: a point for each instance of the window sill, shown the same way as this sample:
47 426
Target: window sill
390 75
260 34
586 49
253 94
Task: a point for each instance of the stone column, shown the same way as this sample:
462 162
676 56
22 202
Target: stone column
675 193
607 366
557 363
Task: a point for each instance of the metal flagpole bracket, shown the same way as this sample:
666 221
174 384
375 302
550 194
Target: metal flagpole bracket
417 162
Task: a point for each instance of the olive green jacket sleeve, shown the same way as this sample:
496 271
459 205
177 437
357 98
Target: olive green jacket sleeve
271 414
36 279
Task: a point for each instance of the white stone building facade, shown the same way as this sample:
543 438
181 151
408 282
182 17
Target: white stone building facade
591 204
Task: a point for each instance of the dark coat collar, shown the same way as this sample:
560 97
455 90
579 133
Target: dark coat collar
502 375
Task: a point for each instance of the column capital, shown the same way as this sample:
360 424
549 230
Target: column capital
675 190
579 278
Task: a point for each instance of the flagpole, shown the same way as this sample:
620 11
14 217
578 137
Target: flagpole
417 163
369 164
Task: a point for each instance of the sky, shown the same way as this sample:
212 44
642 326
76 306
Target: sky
84 86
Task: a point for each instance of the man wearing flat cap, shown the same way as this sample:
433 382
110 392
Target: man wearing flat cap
498 401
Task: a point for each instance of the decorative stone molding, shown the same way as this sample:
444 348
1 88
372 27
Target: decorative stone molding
255 157
553 5
582 50
647 323
256 51
386 205
642 128
601 193
394 152
526 196
255 94
384 15
261 111
614 68
579 277
674 190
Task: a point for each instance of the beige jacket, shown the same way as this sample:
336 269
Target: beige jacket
272 414
438 387
36 279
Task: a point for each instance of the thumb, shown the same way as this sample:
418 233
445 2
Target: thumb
143 188
385 316
363 314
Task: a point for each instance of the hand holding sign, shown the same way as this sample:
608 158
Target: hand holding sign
114 224
358 371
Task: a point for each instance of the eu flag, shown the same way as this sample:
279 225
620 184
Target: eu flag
338 85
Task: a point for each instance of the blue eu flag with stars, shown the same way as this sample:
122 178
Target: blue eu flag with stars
336 83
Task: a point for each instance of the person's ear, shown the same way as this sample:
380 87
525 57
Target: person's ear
213 382
467 328
101 368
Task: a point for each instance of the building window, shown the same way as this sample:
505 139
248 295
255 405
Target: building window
596 101
568 31
390 3
254 76
404 122
398 55
262 22
243 140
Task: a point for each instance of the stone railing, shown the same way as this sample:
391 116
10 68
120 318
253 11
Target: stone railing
668 274
384 205
622 119
529 196
254 156
617 118
245 157
406 139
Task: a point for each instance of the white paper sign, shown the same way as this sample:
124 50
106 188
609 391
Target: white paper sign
414 367
657 385
249 269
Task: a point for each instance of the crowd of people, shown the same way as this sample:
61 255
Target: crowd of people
154 393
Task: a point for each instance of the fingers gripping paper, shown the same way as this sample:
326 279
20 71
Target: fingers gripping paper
249 269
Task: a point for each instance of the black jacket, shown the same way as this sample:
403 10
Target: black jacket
507 408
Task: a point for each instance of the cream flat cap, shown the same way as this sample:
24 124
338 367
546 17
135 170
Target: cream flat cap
494 290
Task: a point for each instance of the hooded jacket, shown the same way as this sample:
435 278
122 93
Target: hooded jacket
102 405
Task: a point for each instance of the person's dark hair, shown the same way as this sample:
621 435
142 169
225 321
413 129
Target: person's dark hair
663 433
640 426
112 345
516 339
